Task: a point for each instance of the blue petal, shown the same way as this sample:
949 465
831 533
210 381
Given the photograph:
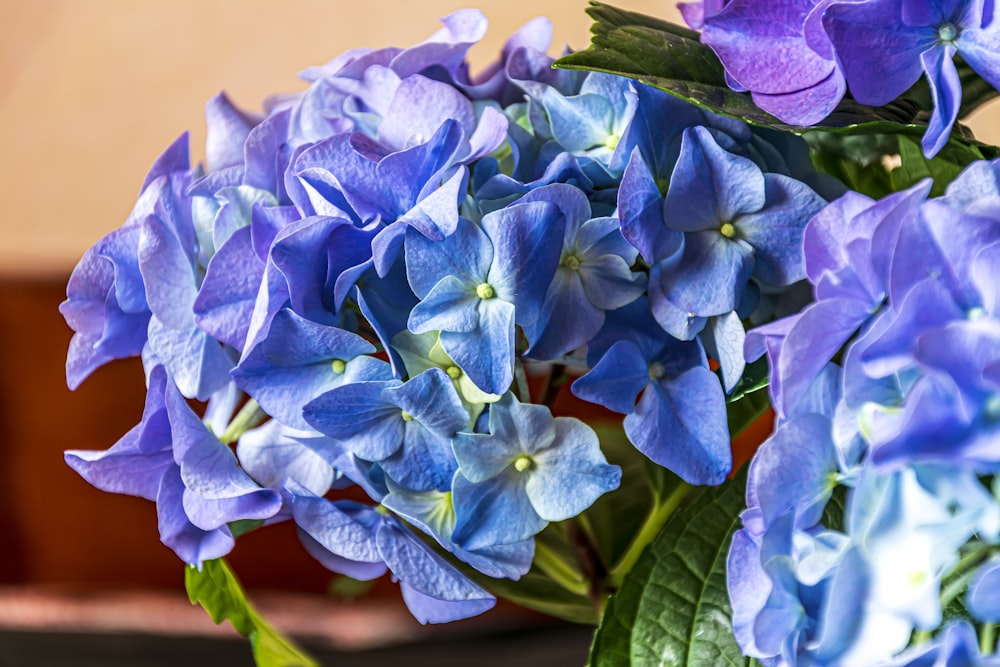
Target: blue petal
431 399
430 609
983 596
946 93
465 255
429 575
451 305
710 275
525 258
681 425
496 511
192 544
196 362
567 477
228 293
486 354
168 272
709 185
124 468
616 379
346 529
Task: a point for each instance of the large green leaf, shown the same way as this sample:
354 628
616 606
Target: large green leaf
216 589
943 169
673 608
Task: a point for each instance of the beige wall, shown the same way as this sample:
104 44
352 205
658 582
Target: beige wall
92 90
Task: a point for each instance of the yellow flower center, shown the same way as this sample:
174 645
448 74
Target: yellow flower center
484 291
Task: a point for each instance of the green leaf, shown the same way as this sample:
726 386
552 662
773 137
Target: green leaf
216 588
856 160
754 377
673 608
943 169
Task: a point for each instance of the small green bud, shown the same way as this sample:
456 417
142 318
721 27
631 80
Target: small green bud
522 463
454 372
571 262
339 365
484 291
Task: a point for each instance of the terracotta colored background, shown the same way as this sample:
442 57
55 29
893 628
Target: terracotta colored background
90 92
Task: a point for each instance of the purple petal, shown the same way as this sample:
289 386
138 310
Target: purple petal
946 93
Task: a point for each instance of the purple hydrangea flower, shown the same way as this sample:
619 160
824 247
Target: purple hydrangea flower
885 45
778 51
172 458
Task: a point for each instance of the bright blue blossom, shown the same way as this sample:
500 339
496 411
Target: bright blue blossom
529 470
479 282
363 543
674 404
404 427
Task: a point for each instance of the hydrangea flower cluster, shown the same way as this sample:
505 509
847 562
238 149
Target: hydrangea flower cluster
798 58
901 430
355 282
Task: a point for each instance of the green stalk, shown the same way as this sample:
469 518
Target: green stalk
559 570
988 638
650 529
250 415
521 379
965 570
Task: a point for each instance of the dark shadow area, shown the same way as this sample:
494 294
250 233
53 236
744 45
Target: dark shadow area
564 646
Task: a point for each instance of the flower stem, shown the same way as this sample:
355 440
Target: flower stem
650 529
250 415
581 538
964 572
558 570
988 638
521 379
552 385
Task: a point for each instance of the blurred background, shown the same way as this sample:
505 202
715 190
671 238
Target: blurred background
91 91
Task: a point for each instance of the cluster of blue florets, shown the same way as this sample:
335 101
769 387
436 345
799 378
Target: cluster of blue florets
902 430
356 283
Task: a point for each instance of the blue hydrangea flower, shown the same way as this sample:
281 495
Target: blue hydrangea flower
529 470
106 302
363 543
778 51
674 406
479 282
737 222
404 427
298 360
594 275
